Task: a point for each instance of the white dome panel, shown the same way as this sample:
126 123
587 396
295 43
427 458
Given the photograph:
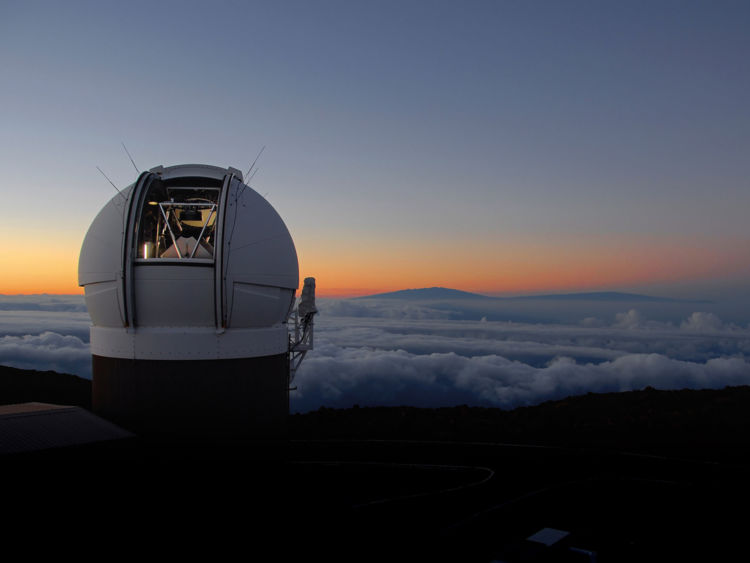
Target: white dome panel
104 304
101 253
259 248
256 306
174 295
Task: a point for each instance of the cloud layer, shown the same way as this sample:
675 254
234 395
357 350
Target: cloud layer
56 303
443 354
342 377
47 351
395 353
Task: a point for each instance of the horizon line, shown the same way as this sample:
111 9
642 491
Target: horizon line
345 293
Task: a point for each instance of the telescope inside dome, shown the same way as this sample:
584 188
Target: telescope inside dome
178 222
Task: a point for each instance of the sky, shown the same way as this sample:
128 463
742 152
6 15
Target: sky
500 147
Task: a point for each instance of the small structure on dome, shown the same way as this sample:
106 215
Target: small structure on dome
190 279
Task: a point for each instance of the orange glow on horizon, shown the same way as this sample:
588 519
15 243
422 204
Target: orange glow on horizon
520 269
347 268
40 266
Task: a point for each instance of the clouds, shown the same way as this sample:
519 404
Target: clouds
385 309
702 336
21 323
342 377
631 319
703 322
58 303
47 351
433 354
595 312
381 353
22 315
45 332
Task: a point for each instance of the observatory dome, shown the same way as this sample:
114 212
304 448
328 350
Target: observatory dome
188 263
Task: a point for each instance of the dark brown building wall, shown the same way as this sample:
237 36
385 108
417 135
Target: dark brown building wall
237 397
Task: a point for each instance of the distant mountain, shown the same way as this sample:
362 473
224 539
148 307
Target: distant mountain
436 293
600 296
427 293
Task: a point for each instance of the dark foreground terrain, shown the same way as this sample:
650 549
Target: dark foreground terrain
640 476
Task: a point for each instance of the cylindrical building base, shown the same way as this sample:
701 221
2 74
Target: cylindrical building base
233 397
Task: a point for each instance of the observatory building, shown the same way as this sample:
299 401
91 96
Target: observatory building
190 279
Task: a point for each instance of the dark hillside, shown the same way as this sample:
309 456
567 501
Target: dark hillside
23 386
713 422
683 422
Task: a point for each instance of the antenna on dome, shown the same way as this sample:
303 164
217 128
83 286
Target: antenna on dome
113 184
253 164
130 157
248 176
251 176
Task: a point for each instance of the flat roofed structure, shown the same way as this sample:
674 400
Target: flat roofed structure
31 427
548 536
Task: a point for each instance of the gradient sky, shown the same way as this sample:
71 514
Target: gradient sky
501 147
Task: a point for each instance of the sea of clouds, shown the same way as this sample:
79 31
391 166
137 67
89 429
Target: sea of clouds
45 332
444 353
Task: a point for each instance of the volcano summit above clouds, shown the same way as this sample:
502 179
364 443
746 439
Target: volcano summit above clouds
437 293
427 293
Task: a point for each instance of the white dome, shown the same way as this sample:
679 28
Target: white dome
189 262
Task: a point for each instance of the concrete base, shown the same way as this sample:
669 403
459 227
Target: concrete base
235 397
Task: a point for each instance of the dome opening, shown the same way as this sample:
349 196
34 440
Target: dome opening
177 221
